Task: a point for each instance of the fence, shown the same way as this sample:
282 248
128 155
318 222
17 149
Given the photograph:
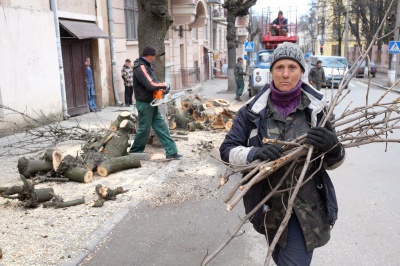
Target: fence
183 79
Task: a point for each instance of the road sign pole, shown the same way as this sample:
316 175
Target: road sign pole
392 73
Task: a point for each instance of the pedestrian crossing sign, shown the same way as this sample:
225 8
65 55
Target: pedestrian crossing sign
394 47
249 46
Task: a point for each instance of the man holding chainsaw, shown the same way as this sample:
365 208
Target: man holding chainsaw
145 85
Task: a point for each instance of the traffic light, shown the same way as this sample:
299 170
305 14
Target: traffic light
321 49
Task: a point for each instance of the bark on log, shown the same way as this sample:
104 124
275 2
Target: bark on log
191 126
93 159
63 204
122 116
39 195
181 121
28 168
8 191
117 146
79 174
118 164
180 137
141 156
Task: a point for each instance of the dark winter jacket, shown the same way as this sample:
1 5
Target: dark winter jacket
315 208
145 81
283 22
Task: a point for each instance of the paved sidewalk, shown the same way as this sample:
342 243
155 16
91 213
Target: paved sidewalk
380 80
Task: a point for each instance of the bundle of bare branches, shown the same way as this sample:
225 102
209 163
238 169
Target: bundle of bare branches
355 127
42 133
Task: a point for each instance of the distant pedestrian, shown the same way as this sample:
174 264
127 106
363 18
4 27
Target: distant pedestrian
316 77
90 86
239 73
127 76
144 84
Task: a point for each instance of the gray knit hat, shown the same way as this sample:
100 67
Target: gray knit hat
288 50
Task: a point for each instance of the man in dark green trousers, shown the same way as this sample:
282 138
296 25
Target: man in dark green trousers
144 84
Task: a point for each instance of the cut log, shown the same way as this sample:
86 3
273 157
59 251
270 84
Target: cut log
191 126
8 191
140 156
53 156
122 116
29 168
221 102
172 124
127 127
228 125
218 122
79 174
198 117
117 146
118 164
208 105
93 159
181 121
58 202
99 202
105 193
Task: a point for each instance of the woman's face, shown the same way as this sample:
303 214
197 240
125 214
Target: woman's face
286 73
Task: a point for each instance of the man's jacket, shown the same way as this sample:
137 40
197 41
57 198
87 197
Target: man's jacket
317 75
127 76
145 81
283 23
315 205
239 73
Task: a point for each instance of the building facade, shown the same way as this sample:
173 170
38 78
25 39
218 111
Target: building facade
45 43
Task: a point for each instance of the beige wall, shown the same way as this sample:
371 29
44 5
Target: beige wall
30 79
29 4
87 7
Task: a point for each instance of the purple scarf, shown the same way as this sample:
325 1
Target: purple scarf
285 102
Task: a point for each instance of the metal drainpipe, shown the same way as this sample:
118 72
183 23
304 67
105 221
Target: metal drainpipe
212 41
112 50
53 7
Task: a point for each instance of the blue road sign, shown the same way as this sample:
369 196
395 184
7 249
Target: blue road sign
249 46
246 57
394 47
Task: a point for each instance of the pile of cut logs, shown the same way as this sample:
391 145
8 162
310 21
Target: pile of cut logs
198 113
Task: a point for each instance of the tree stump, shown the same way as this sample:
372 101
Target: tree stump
118 164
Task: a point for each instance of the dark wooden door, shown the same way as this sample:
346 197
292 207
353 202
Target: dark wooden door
74 53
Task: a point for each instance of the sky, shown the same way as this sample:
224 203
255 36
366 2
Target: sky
302 6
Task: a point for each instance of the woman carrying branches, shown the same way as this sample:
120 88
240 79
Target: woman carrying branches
281 112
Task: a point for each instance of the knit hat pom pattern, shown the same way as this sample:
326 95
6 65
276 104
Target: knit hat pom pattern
288 50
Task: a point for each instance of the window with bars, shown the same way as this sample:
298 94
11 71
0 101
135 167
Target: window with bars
131 19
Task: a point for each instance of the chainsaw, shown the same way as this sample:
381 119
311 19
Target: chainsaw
161 97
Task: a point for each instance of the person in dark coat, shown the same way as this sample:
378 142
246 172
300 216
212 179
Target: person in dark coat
316 77
90 86
239 73
144 84
286 109
279 25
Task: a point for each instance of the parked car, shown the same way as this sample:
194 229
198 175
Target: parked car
361 70
335 68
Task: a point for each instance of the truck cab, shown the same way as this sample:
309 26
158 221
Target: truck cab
260 74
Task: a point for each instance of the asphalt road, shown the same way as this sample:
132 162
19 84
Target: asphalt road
366 233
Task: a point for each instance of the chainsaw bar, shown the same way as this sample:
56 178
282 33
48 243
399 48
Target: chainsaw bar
167 98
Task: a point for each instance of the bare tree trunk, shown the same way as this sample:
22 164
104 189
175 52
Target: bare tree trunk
154 23
231 40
